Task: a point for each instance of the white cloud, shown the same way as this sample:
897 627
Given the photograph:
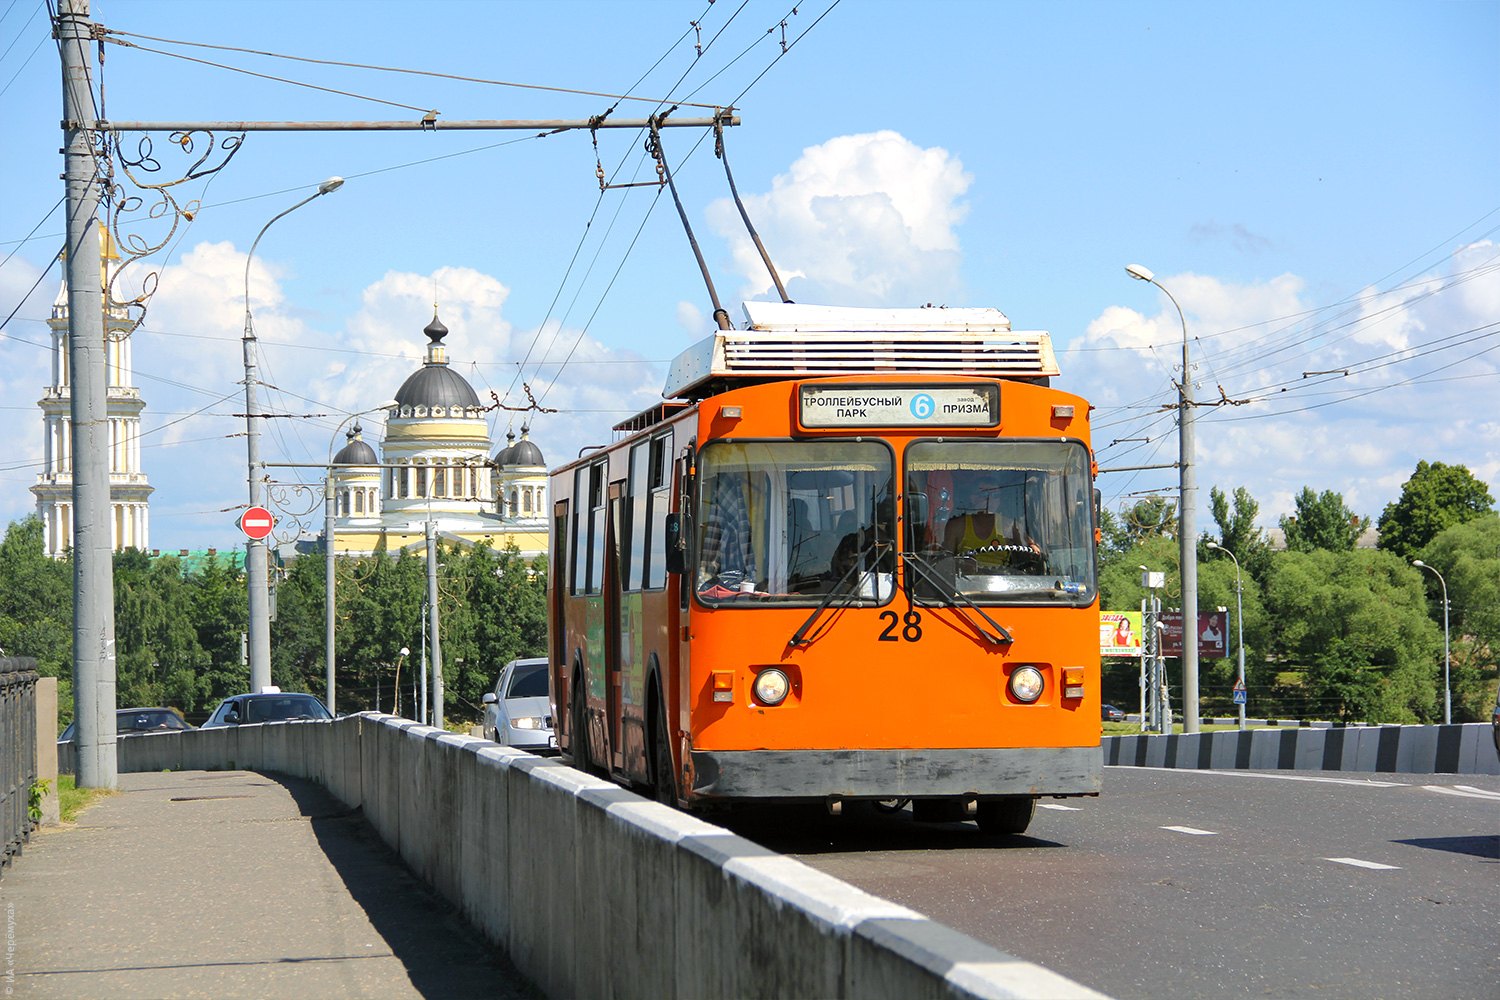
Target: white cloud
1359 434
858 220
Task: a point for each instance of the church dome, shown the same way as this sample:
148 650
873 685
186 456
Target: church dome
435 384
357 451
523 452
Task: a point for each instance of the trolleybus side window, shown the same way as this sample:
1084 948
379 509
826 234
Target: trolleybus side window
658 504
588 529
647 503
633 545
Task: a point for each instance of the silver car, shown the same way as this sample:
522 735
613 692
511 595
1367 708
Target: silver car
518 713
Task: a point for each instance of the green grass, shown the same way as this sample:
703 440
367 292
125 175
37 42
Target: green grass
72 800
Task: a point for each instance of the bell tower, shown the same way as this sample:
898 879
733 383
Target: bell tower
129 488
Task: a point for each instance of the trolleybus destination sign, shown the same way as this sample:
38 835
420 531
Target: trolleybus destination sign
884 405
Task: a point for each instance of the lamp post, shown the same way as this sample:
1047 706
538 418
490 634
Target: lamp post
396 685
329 513
1187 540
1447 688
1239 617
259 632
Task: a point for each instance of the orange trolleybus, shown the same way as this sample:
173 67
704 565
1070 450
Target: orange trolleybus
850 557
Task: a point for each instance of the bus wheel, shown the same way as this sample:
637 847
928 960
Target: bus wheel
663 780
1009 815
578 746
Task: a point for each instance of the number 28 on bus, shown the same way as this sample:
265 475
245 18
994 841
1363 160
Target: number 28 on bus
850 557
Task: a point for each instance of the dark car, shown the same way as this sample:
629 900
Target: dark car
267 706
1496 720
135 721
1110 713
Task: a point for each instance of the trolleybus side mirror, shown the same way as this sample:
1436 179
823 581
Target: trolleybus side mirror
676 545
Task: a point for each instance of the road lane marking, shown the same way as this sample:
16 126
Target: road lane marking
1052 805
1192 830
1466 791
1261 774
1360 863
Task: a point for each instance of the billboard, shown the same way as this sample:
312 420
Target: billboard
1119 633
1213 630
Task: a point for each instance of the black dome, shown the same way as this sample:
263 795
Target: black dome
356 452
502 457
522 452
436 385
525 453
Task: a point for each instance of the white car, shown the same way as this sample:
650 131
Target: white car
518 712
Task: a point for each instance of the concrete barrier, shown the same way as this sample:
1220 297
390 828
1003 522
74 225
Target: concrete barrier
1466 748
595 891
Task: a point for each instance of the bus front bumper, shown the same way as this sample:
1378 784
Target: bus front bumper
889 774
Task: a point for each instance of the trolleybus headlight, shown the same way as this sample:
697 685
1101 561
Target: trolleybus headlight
771 687
1026 684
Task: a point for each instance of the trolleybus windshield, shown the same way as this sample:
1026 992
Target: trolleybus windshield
1000 521
788 521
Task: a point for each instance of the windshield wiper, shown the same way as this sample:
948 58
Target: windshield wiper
799 637
932 576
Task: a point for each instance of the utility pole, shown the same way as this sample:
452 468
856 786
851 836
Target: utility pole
93 568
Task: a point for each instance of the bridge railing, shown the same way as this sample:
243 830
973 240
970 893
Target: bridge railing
592 890
18 763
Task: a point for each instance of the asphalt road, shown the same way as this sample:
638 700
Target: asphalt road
1178 883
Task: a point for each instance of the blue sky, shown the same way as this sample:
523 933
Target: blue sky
1317 184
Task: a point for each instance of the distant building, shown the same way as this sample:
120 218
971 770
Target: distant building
437 467
129 489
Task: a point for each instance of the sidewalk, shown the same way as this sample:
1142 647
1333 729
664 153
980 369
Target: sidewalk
231 884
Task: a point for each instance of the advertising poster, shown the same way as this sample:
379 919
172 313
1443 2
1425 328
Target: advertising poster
1213 627
1119 633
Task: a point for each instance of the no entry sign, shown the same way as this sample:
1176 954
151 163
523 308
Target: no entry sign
256 522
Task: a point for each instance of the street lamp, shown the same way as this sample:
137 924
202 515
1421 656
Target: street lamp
1187 540
396 697
328 531
1447 688
1239 617
259 633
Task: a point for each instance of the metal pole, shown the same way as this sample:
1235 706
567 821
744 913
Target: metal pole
1447 687
93 568
255 548
1239 617
330 512
1186 529
432 625
422 714
329 610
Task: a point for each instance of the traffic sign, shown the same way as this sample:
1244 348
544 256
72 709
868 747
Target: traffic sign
256 522
1239 696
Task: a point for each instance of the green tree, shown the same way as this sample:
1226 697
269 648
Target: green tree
158 660
218 610
1357 625
1437 496
1237 530
1322 521
1151 517
36 606
1468 556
